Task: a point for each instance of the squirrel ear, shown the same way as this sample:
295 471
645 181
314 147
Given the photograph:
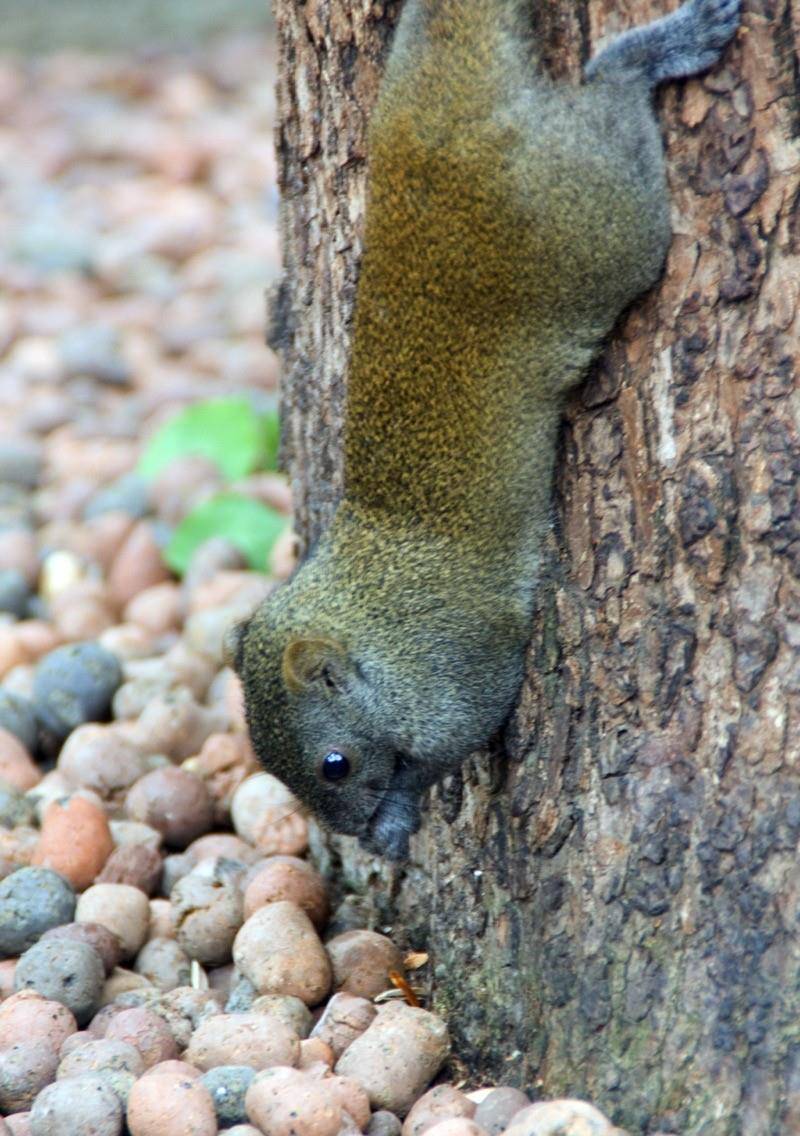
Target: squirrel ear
314 661
233 644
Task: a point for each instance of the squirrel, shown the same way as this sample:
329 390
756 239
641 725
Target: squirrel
510 221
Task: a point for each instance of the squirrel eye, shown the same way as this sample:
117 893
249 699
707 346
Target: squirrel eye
335 766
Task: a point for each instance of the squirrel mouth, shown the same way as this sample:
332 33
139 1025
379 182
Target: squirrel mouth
395 817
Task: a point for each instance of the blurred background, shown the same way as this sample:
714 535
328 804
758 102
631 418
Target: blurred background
137 240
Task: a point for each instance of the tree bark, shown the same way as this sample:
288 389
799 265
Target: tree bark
612 905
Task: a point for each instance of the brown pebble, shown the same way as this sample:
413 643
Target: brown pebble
290 1102
268 816
443 1102
28 1017
287 877
176 725
37 637
361 962
174 1067
75 841
17 767
7 970
18 551
145 1031
157 609
136 864
104 941
174 802
314 1050
161 925
397 1056
222 844
224 762
170 1105
101 758
344 1018
123 909
256 1040
137 565
207 912
281 953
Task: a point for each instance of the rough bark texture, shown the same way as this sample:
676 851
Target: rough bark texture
612 909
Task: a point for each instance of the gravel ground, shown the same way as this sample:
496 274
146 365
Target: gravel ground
169 962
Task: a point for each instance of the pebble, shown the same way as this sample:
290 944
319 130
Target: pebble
137 566
256 1040
75 684
75 840
164 964
146 1032
383 1123
136 864
228 1085
176 725
123 909
17 717
280 952
184 1008
105 942
28 1017
77 1105
19 552
103 759
550 1118
291 1102
15 592
170 1104
17 767
224 762
20 463
96 1055
443 1102
32 900
292 1011
158 609
207 913
14 807
499 1107
288 878
65 971
266 814
397 1056
456 1126
344 1018
362 961
174 802
25 1068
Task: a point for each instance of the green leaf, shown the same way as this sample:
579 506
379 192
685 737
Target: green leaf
228 431
251 526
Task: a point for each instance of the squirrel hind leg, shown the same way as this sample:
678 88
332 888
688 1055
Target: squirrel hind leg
681 44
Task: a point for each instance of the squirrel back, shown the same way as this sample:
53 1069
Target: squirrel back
509 223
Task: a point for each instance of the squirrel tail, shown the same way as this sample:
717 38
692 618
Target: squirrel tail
681 44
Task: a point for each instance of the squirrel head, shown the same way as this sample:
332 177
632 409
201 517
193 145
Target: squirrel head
314 710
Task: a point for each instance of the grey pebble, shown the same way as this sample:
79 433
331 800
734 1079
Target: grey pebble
15 807
20 464
18 716
32 900
128 494
66 971
25 1069
243 994
75 684
384 1123
75 1105
94 350
15 592
228 1085
495 1112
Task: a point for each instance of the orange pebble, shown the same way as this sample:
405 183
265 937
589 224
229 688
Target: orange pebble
75 841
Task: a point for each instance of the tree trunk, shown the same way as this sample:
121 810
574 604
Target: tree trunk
612 907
